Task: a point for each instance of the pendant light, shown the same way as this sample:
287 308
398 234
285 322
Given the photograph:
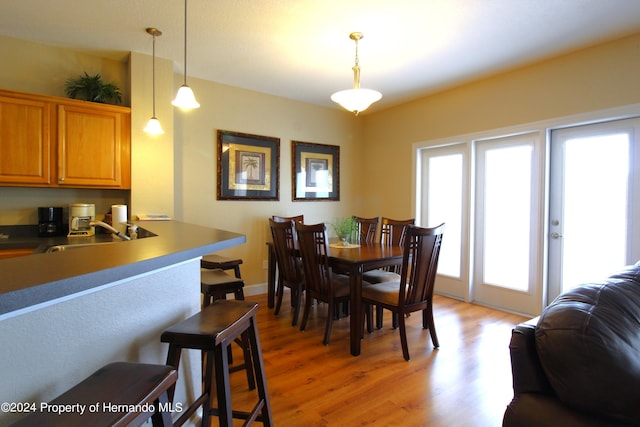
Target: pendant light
153 125
185 98
356 99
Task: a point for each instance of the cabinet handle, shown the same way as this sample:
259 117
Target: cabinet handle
61 179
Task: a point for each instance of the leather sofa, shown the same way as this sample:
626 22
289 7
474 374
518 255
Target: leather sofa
578 363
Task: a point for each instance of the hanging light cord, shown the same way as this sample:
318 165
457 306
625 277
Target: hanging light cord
153 79
185 42
356 68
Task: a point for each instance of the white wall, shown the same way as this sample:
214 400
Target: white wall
47 351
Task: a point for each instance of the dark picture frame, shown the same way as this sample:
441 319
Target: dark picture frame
248 166
315 171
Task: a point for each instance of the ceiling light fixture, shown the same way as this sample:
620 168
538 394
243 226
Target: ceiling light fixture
153 126
185 98
356 99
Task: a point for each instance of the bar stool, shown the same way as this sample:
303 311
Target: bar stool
211 331
215 261
216 284
118 394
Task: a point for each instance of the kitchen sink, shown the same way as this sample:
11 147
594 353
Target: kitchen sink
69 244
61 248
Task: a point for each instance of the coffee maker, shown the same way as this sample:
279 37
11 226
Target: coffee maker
81 217
50 222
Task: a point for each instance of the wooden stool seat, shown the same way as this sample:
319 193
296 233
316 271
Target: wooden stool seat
212 331
215 261
115 395
216 284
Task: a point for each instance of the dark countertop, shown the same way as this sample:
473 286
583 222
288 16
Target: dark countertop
35 279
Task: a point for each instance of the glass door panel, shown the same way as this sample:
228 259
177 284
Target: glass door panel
507 211
444 199
592 203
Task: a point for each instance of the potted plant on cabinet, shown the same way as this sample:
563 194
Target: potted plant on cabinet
92 88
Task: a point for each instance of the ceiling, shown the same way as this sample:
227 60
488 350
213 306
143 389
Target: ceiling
300 49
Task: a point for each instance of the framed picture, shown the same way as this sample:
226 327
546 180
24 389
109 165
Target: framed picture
315 171
248 166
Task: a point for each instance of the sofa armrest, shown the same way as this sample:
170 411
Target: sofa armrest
528 375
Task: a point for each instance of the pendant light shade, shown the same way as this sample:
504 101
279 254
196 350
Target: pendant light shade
185 98
356 99
153 126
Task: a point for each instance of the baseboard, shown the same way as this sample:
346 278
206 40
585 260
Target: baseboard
259 289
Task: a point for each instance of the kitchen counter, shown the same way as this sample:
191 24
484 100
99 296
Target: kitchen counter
33 281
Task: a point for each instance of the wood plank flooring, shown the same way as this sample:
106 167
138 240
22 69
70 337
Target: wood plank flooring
466 382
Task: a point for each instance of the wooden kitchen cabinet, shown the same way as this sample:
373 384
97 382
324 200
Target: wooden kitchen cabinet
93 146
57 142
13 253
25 141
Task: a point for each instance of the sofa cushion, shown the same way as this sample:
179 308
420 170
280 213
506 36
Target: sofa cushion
588 342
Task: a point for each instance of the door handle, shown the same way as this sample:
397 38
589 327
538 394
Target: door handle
556 235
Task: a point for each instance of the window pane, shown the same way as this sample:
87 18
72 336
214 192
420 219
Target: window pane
444 189
507 204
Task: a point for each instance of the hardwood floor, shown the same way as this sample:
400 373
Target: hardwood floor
467 382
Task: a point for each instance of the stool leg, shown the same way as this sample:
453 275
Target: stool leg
258 367
173 359
246 350
207 381
223 387
161 419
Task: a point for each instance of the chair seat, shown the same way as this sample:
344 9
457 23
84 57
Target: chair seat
341 287
380 276
385 292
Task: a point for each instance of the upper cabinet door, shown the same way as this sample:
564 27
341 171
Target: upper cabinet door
93 146
25 141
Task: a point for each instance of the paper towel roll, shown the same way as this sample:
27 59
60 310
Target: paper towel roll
119 217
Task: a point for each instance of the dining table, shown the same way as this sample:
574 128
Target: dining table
353 260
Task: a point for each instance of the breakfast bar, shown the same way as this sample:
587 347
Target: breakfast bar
65 314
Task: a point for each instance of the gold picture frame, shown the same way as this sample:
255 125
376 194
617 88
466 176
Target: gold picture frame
315 171
248 166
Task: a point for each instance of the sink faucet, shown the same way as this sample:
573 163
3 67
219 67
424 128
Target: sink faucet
110 228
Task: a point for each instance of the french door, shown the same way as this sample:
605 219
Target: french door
594 212
444 187
508 208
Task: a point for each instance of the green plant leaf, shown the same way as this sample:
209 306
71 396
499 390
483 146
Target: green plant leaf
92 88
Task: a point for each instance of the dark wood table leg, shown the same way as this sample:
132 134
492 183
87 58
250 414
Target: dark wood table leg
271 278
355 317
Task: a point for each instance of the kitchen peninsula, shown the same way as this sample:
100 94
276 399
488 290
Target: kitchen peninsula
42 278
65 314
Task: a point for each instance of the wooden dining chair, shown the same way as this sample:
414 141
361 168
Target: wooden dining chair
322 284
414 291
392 232
289 268
367 228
